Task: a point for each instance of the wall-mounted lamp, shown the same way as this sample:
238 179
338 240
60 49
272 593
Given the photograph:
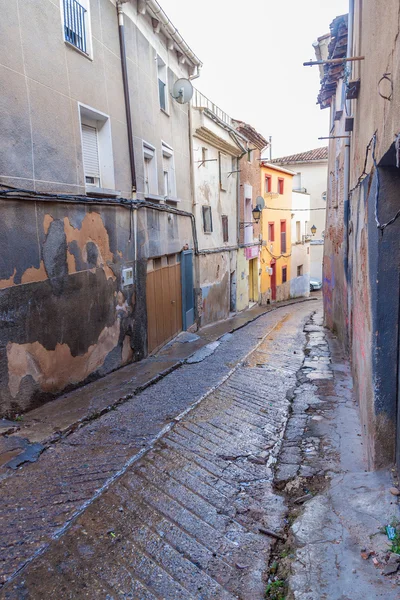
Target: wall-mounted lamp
256 212
313 230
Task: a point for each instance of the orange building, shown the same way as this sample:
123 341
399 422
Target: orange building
276 185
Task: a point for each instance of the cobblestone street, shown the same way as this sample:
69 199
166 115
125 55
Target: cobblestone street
154 500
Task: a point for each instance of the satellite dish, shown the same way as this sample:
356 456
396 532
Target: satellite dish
260 202
182 91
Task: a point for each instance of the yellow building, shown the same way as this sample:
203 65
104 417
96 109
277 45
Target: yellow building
276 184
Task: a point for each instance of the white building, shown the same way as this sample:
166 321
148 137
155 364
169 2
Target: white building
300 258
217 147
311 177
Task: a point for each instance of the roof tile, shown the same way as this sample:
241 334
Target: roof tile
309 156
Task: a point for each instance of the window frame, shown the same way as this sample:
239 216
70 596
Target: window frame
102 122
162 77
281 185
225 228
149 155
267 184
206 208
85 4
167 152
299 270
284 274
283 233
271 228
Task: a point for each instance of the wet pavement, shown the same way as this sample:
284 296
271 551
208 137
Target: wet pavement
164 496
337 546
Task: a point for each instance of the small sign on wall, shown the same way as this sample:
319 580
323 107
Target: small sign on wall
127 276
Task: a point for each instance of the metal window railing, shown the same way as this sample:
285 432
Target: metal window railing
74 24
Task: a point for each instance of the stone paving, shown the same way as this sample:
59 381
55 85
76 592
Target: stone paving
338 509
110 512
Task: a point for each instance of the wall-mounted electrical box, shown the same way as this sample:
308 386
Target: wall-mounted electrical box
127 276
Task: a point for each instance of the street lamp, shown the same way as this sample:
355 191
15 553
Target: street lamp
313 230
256 213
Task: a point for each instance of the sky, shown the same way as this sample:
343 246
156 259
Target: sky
253 53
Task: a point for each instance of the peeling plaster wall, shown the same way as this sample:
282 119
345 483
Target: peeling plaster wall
64 317
214 292
242 281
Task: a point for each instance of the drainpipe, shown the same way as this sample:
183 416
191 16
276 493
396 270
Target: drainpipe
121 30
346 174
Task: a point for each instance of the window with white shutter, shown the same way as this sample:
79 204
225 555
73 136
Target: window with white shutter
90 149
150 170
97 152
169 172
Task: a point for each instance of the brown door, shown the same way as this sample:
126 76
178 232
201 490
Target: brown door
273 280
164 302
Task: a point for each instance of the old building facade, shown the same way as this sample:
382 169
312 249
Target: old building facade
248 286
95 163
361 255
217 147
276 233
311 168
300 258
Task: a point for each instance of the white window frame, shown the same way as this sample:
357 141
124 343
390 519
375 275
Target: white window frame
102 123
88 29
150 182
168 155
162 76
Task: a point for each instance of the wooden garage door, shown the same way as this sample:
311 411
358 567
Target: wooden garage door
164 301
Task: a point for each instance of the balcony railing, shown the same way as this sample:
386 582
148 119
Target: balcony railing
74 24
201 101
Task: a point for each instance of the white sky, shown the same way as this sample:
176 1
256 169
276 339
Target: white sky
253 53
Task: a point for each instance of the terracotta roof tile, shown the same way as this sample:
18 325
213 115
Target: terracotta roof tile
309 156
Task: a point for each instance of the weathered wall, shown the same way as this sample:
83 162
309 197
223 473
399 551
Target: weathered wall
214 293
65 316
242 280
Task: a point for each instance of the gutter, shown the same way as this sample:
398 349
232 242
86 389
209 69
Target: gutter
121 30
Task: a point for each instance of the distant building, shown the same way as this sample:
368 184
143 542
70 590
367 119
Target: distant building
276 230
311 177
248 257
300 259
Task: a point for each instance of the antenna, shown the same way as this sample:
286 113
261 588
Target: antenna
260 202
182 91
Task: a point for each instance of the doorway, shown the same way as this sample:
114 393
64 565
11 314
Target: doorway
232 301
253 280
273 280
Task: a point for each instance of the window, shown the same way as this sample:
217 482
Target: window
283 237
298 231
284 274
249 155
248 215
281 183
271 232
77 24
268 182
168 171
97 154
150 170
162 83
207 219
299 270
225 232
224 170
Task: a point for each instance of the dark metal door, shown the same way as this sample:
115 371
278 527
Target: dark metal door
187 289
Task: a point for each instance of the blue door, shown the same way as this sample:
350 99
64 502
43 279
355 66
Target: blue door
187 289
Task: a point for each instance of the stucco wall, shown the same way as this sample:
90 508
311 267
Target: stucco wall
242 280
214 292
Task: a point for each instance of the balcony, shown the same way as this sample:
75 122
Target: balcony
201 101
74 24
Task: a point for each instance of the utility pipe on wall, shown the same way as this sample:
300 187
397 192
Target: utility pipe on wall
121 30
346 174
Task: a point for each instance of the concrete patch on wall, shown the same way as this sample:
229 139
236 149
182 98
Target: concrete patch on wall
300 286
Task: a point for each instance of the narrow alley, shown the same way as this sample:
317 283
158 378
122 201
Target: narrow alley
184 490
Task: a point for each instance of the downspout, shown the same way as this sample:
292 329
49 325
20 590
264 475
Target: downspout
121 30
346 174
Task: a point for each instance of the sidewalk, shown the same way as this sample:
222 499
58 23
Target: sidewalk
25 439
337 547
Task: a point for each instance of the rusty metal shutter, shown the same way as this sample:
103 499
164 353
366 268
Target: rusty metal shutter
90 151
